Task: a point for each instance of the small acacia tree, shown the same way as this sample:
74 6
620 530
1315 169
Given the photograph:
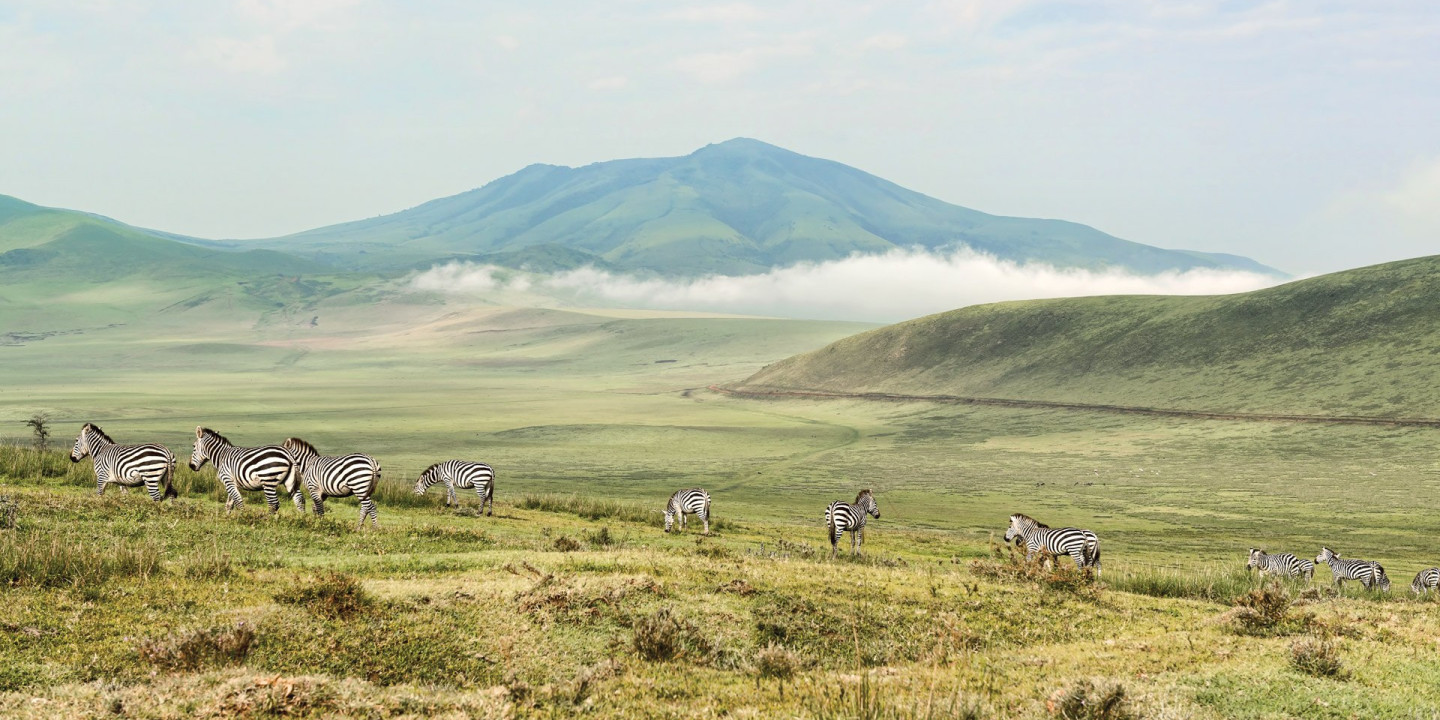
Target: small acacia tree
39 425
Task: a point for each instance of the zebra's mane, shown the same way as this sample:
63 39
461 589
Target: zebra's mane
1027 519
428 469
307 447
862 494
101 433
216 435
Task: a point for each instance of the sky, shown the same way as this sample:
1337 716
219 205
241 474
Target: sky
1303 134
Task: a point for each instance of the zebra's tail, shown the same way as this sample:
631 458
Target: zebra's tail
830 529
169 479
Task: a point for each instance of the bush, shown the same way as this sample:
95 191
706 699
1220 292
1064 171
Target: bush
566 544
1317 657
9 512
333 595
1086 701
776 663
1009 563
602 539
199 648
662 637
1266 611
209 564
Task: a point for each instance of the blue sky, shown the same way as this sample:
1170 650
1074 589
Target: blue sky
1304 134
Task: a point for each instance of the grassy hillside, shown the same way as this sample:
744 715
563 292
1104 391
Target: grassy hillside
737 207
1362 342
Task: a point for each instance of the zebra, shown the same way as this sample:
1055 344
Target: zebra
1370 573
248 468
461 474
1280 564
1425 581
1081 545
841 516
151 464
337 476
688 502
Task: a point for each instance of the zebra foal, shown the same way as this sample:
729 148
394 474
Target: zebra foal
327 476
460 474
841 516
1280 564
1081 545
262 468
150 464
1370 573
688 502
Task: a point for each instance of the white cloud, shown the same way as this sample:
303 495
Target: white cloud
725 67
885 41
507 42
289 15
894 286
731 13
258 55
1416 198
617 82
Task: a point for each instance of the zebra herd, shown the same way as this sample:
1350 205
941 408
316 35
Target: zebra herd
299 468
1369 573
294 465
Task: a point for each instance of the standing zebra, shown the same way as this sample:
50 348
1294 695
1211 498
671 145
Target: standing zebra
1081 545
1370 573
1280 564
337 476
151 464
460 474
247 468
688 502
1425 581
841 516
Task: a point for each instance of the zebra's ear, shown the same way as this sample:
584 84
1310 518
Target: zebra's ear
199 431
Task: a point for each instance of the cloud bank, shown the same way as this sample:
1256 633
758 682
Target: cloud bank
894 286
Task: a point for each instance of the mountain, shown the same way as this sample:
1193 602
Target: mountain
1359 342
737 207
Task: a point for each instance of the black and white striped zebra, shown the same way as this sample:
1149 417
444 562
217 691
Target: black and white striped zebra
841 516
1081 545
262 468
1280 564
1425 581
461 474
327 476
150 464
1370 573
688 502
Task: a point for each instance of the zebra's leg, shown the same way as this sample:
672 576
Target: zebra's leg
860 541
272 499
100 485
367 507
490 502
319 502
450 500
152 487
705 518
1078 555
297 497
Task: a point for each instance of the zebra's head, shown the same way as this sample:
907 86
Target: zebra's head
1020 524
669 518
429 477
299 449
82 444
1256 555
1326 555
203 439
866 500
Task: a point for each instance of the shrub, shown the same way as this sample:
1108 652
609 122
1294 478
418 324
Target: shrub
1314 656
333 595
9 511
662 637
191 650
566 544
776 663
209 564
1086 701
1009 563
1266 611
602 539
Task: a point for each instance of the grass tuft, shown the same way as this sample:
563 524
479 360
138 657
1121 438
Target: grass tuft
662 637
1318 657
1088 701
333 595
194 649
1266 611
1008 563
51 560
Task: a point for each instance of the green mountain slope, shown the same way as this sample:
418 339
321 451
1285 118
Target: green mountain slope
737 207
1363 341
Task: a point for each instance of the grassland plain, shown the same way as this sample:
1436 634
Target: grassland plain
552 606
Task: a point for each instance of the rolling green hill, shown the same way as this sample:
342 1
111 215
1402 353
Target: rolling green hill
737 207
1363 342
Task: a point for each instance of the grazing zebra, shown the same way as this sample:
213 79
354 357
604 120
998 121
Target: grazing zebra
1081 545
151 464
1280 564
842 516
688 502
461 474
1425 581
1370 573
247 468
337 476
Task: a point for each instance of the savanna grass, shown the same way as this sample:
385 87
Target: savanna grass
55 560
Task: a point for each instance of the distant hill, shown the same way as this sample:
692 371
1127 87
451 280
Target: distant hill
1363 341
741 206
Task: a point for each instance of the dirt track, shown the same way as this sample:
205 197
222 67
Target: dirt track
1132 410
